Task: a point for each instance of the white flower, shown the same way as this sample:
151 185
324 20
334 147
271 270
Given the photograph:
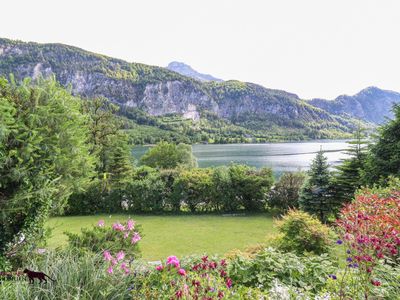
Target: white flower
279 291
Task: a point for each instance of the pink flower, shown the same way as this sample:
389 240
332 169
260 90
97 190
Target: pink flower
159 268
120 255
173 260
110 270
130 224
107 256
182 272
114 262
118 227
124 267
136 238
100 223
126 234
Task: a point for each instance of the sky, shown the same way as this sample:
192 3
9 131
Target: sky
314 48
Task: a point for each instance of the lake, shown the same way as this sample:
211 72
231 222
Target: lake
280 157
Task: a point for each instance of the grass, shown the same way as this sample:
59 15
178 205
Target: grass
178 235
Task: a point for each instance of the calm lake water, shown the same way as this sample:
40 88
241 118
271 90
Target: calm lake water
280 157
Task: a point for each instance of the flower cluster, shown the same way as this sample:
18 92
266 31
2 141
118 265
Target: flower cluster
125 231
370 228
206 279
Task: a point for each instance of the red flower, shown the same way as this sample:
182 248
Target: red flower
179 294
375 282
228 283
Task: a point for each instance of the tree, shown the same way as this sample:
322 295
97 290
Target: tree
45 156
315 195
250 186
285 194
348 177
117 161
384 156
169 156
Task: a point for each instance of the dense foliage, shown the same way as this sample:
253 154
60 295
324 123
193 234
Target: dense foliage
45 156
302 233
384 155
224 189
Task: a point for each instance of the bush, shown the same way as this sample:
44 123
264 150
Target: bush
302 233
370 231
290 269
120 237
146 192
193 188
203 279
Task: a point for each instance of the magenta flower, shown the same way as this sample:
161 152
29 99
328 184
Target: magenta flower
126 234
173 260
136 238
107 256
130 224
110 270
182 272
228 283
159 268
120 255
100 223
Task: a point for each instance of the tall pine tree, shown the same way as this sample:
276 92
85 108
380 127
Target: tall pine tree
348 177
315 196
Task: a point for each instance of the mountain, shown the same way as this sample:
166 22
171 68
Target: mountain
371 104
188 71
227 109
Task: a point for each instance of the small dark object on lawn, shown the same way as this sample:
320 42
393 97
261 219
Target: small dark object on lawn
39 275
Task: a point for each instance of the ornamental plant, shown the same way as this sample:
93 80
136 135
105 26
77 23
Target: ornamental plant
203 279
370 230
118 242
302 233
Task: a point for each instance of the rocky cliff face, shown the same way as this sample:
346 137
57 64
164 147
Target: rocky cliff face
371 104
188 71
159 91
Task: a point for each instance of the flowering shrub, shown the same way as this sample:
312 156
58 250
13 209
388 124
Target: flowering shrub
203 279
370 229
118 242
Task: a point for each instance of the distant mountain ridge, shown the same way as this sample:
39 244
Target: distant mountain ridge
370 104
156 91
188 71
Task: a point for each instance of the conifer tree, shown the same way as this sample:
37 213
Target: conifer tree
348 177
315 196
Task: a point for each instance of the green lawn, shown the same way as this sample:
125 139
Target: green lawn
178 235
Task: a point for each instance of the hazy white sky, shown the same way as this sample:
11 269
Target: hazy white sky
315 48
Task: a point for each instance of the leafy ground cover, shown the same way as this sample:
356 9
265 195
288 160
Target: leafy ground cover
177 235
